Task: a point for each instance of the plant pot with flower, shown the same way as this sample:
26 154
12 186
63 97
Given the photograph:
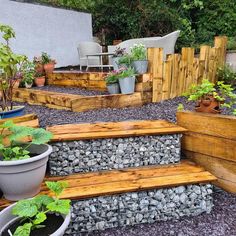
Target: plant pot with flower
23 160
39 80
124 62
10 74
41 215
139 58
211 98
119 52
28 71
38 65
127 81
112 82
49 64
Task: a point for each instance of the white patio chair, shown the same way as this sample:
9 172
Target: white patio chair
86 48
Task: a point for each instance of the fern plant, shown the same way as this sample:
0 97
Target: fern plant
11 136
33 212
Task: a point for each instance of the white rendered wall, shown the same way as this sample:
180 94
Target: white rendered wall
46 29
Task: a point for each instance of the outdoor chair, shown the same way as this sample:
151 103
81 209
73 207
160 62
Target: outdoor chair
86 48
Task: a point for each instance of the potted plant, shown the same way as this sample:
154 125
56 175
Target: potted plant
127 81
210 98
124 61
49 64
10 76
39 80
119 52
28 71
23 160
112 82
139 58
41 215
38 62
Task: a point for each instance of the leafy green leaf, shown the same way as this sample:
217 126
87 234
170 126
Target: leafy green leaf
23 230
40 136
42 200
7 124
57 187
19 132
60 206
39 218
25 208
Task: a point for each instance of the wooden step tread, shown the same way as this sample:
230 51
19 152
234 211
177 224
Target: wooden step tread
88 185
113 129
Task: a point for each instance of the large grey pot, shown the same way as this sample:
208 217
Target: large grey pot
115 63
6 218
140 66
22 179
113 88
127 85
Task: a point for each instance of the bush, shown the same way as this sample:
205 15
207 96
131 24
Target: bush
226 74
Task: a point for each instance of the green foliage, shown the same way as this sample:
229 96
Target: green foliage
226 74
34 211
46 58
125 60
129 72
231 43
14 134
28 72
112 77
138 52
180 107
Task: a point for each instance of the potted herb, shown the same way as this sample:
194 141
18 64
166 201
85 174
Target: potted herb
41 215
127 81
39 80
112 82
38 62
119 52
139 58
210 98
49 64
124 61
28 71
23 160
10 76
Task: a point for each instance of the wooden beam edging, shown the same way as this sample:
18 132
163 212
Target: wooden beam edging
70 132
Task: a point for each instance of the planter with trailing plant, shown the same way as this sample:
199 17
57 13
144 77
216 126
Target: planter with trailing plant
49 64
28 71
139 58
10 67
211 98
112 82
41 215
119 52
124 61
127 81
39 80
23 160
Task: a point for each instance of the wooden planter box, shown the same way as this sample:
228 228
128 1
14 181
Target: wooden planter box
211 142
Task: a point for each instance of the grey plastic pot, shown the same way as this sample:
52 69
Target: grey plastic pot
113 88
127 85
140 66
22 179
115 63
6 218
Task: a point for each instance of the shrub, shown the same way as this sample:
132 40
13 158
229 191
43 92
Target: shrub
226 74
138 52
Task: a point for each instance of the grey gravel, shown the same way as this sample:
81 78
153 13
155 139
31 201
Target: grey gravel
118 153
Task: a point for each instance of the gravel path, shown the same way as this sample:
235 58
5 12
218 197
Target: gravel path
77 91
220 222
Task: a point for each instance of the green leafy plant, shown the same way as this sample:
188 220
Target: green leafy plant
129 72
112 77
125 60
28 72
12 135
231 43
221 92
33 212
226 74
138 52
180 107
10 67
46 58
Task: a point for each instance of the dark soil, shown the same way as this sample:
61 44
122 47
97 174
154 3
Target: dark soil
52 223
220 222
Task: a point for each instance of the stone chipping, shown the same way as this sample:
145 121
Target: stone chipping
108 154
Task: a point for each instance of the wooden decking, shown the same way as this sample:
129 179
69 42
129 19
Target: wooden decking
88 185
113 129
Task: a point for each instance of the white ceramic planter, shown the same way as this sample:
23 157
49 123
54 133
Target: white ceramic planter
6 218
22 179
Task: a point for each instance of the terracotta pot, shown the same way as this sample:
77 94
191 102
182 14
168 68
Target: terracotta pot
16 84
208 104
49 67
40 81
39 68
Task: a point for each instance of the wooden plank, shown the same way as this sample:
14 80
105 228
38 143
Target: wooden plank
210 124
134 179
167 79
221 43
30 120
175 76
143 87
113 130
224 170
105 101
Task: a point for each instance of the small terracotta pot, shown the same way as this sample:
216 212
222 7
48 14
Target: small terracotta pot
208 104
40 81
16 84
49 67
39 68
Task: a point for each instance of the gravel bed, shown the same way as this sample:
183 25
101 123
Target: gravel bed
220 222
76 91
